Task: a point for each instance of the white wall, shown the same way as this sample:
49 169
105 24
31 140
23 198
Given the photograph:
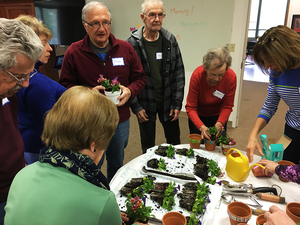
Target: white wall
294 9
239 37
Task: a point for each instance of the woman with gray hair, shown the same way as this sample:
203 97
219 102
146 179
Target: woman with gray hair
211 93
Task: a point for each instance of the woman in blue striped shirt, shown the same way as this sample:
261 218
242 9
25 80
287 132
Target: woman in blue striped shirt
277 53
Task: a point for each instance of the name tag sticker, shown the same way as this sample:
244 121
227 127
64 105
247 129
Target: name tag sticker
218 94
4 101
118 61
158 55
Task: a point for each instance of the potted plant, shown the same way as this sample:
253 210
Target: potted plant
136 210
211 144
226 142
112 88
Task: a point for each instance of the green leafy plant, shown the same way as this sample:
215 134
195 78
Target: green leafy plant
144 188
201 198
213 168
193 220
162 164
136 209
112 86
213 132
169 194
170 152
225 139
190 152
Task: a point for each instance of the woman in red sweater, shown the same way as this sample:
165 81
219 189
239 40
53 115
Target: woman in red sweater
211 92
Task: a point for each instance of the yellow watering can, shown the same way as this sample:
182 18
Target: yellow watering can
237 166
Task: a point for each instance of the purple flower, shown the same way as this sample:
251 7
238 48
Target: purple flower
208 200
204 207
178 187
144 200
142 189
173 157
199 222
219 182
175 191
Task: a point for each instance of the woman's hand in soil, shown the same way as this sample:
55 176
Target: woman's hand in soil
204 133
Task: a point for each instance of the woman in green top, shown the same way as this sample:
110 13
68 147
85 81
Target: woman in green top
65 186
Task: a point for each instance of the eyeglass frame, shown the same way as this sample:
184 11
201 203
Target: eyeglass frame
24 78
163 15
99 24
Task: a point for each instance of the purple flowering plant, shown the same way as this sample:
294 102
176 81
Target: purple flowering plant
225 139
202 198
170 152
137 210
144 188
112 86
169 194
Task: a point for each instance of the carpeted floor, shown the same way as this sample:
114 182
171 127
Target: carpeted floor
253 97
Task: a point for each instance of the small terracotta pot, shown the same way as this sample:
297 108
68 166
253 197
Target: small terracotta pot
260 220
238 212
195 140
173 218
285 162
210 145
225 148
293 211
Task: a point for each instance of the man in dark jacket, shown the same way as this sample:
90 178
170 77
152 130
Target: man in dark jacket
160 55
101 53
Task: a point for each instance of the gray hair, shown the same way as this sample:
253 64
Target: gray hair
17 38
90 6
221 53
149 2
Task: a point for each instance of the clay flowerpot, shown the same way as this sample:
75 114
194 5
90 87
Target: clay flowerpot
173 218
210 145
260 220
225 148
113 96
238 212
195 140
285 162
293 211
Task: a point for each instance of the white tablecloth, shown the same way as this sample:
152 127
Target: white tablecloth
290 191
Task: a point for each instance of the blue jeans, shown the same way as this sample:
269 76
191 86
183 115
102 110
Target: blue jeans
115 150
2 213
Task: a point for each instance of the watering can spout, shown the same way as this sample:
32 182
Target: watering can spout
250 168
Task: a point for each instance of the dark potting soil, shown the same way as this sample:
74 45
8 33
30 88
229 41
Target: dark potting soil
153 163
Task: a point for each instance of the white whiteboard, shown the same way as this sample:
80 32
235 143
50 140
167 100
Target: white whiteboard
197 24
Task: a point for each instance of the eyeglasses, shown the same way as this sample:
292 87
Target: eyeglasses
105 24
24 78
152 16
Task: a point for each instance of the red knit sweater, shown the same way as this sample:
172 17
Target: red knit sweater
202 102
12 147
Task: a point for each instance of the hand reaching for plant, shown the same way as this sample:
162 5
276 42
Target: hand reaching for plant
124 97
204 133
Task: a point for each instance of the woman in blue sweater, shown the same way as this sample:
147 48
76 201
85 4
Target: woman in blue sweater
277 53
38 97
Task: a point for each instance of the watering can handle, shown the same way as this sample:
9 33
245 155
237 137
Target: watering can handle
231 150
256 164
